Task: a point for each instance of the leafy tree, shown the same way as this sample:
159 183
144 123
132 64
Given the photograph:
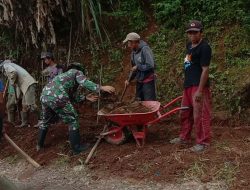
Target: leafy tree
38 22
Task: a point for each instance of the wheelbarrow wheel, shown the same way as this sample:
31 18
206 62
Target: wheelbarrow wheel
119 137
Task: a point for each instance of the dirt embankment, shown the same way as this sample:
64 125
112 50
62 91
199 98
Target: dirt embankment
227 158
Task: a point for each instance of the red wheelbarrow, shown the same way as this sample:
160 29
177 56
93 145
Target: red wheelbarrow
120 126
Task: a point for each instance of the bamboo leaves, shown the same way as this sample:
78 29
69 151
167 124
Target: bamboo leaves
39 19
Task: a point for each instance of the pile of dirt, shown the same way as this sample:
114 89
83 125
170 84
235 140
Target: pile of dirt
134 107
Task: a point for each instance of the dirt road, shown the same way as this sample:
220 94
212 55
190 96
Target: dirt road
80 177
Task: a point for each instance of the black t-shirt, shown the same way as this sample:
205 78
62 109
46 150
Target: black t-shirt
196 58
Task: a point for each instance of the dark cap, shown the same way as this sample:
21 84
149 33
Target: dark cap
194 25
47 55
77 66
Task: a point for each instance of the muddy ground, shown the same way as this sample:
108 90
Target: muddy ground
227 160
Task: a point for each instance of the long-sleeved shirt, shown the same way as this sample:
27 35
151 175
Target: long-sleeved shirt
63 87
52 71
18 75
144 60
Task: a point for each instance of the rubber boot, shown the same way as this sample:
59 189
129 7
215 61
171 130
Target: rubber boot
41 138
74 138
39 118
24 117
38 124
11 117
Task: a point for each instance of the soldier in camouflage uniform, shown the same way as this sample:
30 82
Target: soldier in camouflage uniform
49 72
57 98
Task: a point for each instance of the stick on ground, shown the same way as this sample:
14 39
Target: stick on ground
95 146
26 156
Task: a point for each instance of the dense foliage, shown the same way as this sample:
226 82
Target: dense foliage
97 28
226 28
212 13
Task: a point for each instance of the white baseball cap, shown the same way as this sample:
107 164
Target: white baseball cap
132 37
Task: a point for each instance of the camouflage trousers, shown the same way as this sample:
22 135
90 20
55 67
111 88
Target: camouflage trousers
53 109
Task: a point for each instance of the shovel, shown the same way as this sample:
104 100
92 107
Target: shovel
5 91
108 108
126 86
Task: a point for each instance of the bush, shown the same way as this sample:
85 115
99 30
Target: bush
175 13
230 56
125 16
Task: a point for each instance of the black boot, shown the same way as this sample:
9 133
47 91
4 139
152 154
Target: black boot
74 138
41 138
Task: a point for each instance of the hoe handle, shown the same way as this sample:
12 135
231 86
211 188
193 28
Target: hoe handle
95 146
26 156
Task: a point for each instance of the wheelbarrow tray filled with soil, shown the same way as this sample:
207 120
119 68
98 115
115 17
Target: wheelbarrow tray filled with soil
137 113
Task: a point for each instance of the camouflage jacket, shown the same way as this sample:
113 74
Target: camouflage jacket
63 87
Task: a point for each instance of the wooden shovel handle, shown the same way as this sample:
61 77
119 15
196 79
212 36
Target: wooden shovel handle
126 86
5 90
26 156
95 146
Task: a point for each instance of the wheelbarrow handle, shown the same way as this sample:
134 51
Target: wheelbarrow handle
171 103
162 116
166 115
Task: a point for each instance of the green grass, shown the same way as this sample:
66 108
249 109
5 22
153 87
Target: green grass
227 172
195 171
13 159
63 160
222 146
145 167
